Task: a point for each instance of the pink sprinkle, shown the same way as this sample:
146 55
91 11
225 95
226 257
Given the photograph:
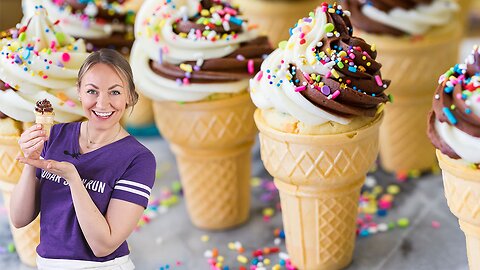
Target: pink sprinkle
352 56
324 9
302 35
328 74
7 85
45 77
300 88
230 11
65 57
435 224
459 96
335 94
251 66
198 33
478 99
165 49
307 78
53 44
156 38
259 75
70 103
186 81
378 80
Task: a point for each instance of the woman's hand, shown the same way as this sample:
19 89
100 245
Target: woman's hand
31 141
66 170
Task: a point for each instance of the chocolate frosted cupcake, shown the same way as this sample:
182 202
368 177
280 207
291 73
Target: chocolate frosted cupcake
411 36
454 129
320 99
194 59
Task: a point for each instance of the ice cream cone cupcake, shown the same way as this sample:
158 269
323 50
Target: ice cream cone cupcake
38 61
409 37
320 98
194 60
454 129
44 115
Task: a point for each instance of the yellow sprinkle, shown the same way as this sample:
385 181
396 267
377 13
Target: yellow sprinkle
342 54
268 212
231 246
242 259
364 57
218 265
220 259
374 47
205 13
331 10
276 267
343 86
377 190
369 64
335 74
266 261
361 68
183 35
205 238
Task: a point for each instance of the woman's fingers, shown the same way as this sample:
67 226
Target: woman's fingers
33 143
29 135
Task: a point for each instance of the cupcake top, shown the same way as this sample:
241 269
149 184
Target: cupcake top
102 23
191 50
43 107
322 73
454 122
39 61
400 17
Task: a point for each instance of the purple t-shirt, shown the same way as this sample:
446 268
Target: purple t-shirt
123 170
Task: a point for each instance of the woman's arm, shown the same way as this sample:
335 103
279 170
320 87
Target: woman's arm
24 202
104 234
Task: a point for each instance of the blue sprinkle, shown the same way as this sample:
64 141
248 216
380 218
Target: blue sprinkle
448 89
352 69
449 115
468 111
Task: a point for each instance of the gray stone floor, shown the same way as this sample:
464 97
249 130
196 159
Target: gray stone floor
171 238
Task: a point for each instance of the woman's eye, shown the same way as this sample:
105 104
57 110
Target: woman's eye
115 92
91 91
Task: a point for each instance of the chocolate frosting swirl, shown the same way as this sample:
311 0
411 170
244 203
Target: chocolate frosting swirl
43 106
359 80
452 103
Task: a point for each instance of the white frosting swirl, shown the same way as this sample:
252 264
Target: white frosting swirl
415 21
41 62
271 87
155 39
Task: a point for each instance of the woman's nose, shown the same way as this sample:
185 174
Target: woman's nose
103 100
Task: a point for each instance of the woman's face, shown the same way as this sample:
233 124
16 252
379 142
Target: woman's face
104 96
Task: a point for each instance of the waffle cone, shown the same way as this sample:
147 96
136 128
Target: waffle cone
212 143
47 120
409 64
462 190
10 169
319 178
26 239
274 18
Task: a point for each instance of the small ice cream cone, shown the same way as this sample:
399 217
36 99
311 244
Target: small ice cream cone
44 115
319 178
462 190
404 144
212 142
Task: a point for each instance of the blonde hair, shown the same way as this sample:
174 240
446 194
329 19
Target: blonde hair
115 60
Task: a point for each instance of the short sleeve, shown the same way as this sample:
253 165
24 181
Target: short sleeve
135 185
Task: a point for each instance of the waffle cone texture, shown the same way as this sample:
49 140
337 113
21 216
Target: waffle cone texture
274 18
26 239
319 178
212 143
462 190
413 66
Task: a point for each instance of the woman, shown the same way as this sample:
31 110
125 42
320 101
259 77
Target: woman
89 180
